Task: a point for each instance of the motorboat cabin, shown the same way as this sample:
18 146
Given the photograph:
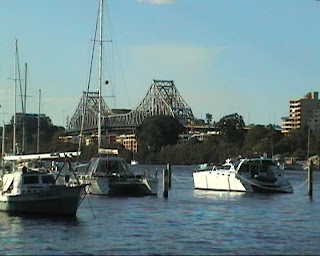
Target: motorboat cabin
34 192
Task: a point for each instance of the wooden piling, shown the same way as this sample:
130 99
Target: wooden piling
165 183
170 174
310 178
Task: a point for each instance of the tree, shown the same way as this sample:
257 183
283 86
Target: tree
208 118
231 127
262 139
254 135
157 132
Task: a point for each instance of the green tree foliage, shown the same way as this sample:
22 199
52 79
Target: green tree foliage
231 127
254 135
257 140
261 139
48 137
212 150
159 131
314 144
208 118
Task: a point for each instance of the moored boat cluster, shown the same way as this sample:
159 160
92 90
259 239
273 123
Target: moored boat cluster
25 188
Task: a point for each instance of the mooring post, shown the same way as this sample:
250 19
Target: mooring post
310 177
170 174
165 183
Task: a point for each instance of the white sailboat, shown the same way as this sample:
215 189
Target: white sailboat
108 173
25 190
29 191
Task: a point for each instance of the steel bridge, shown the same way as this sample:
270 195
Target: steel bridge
162 98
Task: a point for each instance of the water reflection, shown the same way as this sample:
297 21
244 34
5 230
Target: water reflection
218 195
23 232
24 219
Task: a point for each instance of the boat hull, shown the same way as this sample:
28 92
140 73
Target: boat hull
280 186
220 181
98 186
270 189
247 175
114 186
55 201
134 187
216 180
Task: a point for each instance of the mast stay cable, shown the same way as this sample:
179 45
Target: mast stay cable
88 84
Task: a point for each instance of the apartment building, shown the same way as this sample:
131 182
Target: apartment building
129 141
303 112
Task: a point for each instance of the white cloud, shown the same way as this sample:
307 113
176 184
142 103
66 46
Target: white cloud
159 2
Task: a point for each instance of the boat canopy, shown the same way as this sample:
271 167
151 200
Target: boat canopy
108 165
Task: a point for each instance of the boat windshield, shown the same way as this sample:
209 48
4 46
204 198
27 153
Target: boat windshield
31 179
236 163
258 166
109 166
226 167
47 179
114 167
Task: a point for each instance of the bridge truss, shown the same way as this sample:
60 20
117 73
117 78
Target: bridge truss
162 98
89 102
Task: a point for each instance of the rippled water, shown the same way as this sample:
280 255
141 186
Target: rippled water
188 222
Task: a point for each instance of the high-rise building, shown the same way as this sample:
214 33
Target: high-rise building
303 112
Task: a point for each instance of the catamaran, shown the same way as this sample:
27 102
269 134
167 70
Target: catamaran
108 173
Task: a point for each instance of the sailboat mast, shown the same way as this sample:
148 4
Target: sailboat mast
100 72
2 153
38 133
24 110
308 152
15 98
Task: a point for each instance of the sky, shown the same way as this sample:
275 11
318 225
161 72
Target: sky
225 56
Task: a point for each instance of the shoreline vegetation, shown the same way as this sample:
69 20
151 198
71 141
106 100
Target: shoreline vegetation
158 142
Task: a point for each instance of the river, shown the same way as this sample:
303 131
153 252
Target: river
188 222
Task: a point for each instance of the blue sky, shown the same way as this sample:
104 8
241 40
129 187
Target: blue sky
225 56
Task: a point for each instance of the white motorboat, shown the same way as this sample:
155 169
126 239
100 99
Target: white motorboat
108 174
245 175
24 190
